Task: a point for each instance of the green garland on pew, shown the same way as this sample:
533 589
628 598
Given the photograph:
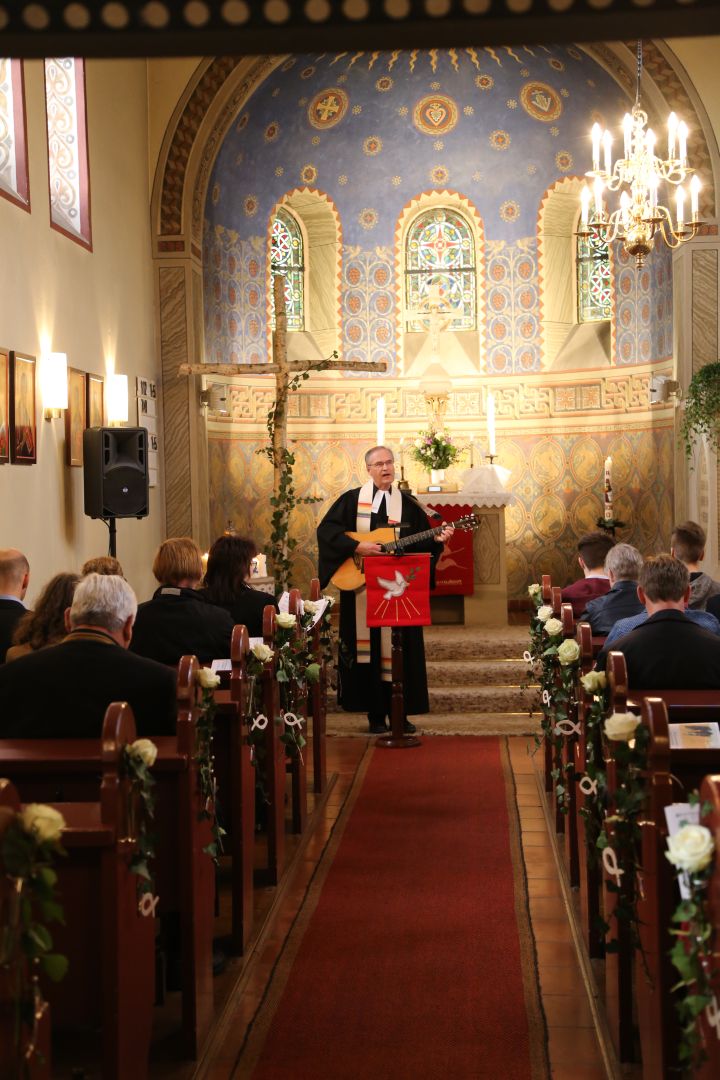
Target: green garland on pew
593 810
205 729
692 954
630 799
136 762
29 843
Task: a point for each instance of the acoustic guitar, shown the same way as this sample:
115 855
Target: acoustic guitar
350 575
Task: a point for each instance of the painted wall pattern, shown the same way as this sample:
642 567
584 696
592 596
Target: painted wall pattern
234 297
513 303
556 481
368 306
643 307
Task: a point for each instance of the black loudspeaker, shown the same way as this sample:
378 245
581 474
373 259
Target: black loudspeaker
116 472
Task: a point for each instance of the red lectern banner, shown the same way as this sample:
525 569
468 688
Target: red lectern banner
454 570
398 590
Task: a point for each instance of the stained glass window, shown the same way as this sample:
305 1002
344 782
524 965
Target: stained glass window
286 258
440 262
67 148
594 286
13 150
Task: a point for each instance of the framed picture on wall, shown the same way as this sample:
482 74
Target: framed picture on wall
95 401
75 417
4 406
23 416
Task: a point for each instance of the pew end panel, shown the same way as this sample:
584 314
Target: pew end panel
709 1023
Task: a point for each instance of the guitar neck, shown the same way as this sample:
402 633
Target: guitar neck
398 545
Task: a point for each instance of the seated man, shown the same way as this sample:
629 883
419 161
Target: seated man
622 565
14 577
64 690
687 543
178 619
592 549
668 651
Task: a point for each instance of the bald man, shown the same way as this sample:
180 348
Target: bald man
14 578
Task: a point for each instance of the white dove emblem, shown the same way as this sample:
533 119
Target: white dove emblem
394 588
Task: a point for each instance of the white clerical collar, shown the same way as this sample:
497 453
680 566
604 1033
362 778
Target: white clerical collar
377 500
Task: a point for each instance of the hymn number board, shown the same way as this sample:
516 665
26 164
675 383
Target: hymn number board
146 393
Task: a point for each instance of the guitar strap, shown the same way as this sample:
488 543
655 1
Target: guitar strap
362 633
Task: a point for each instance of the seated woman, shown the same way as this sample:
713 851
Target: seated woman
46 624
102 564
227 582
178 620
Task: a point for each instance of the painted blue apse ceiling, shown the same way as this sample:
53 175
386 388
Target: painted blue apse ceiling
375 130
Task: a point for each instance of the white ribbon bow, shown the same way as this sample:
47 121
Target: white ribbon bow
260 722
567 727
611 866
588 786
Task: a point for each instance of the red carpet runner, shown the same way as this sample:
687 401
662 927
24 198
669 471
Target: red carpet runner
411 964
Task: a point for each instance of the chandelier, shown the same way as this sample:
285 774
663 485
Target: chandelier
637 176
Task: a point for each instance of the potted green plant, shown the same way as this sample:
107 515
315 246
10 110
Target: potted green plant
701 414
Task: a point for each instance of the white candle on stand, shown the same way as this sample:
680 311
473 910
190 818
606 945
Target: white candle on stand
608 489
491 422
608 471
380 420
472 451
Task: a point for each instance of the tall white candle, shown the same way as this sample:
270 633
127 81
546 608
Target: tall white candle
596 135
491 422
608 510
608 471
380 420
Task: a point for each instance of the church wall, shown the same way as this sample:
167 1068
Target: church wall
95 306
511 125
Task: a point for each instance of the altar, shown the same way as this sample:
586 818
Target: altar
483 493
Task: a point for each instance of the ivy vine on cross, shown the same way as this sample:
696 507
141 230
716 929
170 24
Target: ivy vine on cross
289 375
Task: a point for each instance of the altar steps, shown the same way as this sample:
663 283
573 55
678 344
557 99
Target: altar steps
475 679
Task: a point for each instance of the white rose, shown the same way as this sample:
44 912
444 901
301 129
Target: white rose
330 600
286 620
620 727
534 590
145 750
568 652
553 627
691 848
207 678
419 443
310 607
544 613
47 824
594 681
262 652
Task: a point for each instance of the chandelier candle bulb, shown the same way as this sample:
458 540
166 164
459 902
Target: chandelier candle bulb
607 147
585 198
694 193
682 142
650 142
596 136
672 132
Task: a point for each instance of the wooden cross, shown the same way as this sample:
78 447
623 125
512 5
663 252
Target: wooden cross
283 370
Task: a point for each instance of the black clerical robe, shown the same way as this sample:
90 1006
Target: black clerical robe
360 687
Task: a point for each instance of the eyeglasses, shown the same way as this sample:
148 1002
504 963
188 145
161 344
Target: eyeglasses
380 464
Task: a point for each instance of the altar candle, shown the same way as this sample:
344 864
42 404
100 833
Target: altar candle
491 422
380 420
608 489
402 451
608 471
472 451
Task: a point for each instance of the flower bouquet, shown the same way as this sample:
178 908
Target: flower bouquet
434 450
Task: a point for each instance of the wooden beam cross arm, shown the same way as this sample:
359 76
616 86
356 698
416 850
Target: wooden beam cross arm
267 368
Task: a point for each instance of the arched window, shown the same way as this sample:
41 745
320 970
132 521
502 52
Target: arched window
13 148
286 258
440 252
594 283
67 148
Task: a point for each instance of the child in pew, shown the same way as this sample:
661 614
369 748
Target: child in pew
63 692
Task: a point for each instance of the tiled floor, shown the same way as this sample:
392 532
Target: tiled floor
574 1050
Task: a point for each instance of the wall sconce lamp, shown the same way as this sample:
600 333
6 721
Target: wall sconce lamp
117 399
54 385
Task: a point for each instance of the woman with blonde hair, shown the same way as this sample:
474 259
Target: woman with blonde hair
178 620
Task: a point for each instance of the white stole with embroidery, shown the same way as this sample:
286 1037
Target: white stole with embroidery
362 633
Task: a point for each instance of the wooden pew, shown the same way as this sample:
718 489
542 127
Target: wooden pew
710 1033
296 764
109 941
67 769
587 747
546 586
318 704
275 761
235 777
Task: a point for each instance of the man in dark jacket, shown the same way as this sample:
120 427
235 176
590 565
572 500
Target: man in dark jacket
622 566
669 651
64 690
14 578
